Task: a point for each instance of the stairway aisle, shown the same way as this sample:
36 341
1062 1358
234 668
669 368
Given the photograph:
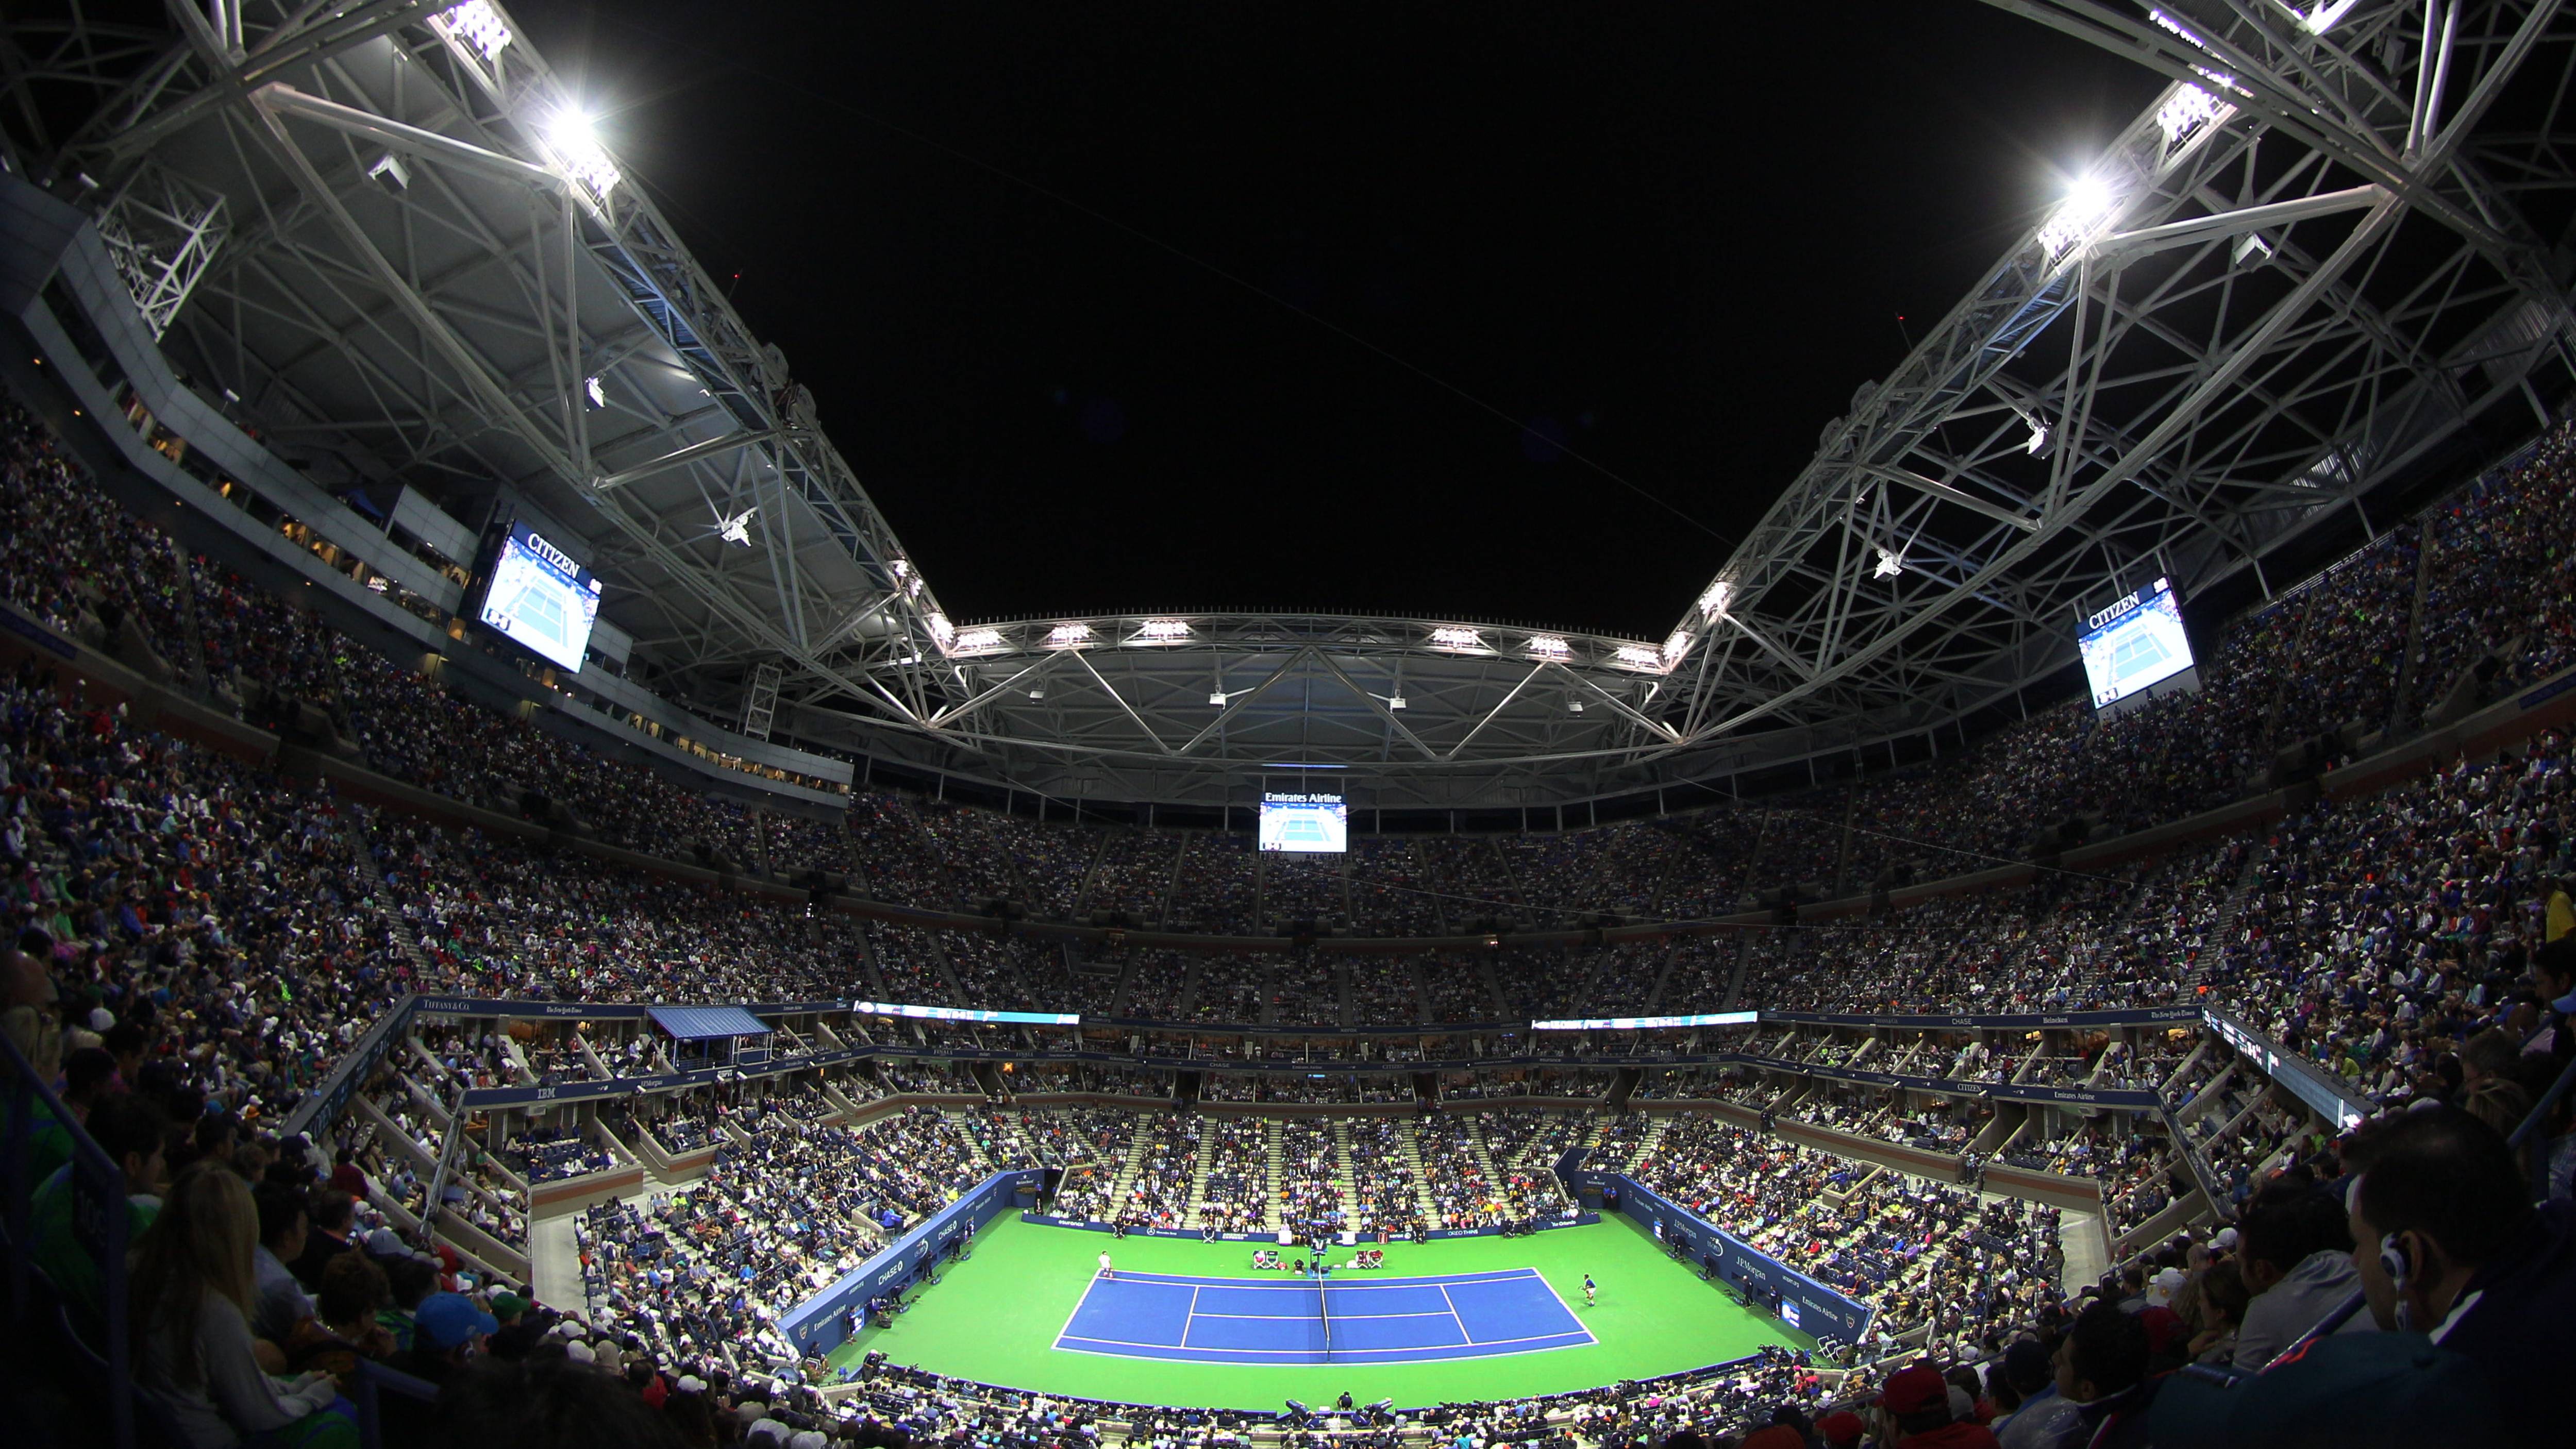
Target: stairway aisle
1199 1174
2082 1239
963 1124
1411 1141
554 1259
1274 1156
1343 1176
1496 1170
1134 1158
1646 1145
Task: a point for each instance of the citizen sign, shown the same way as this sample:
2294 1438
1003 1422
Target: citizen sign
551 554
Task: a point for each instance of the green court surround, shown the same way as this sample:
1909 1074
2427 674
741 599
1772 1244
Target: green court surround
995 1317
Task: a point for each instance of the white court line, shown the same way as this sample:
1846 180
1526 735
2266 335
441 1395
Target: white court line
1347 1317
1543 1283
1466 1340
1464 1336
1428 1280
1525 1338
1568 1307
1067 1331
1427 1348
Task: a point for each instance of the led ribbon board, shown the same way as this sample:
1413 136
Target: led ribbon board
1649 1023
950 1013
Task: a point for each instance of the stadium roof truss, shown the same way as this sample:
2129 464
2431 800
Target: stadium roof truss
2337 235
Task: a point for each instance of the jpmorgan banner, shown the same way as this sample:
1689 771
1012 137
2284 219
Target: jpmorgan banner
820 1323
1801 1301
2005 1021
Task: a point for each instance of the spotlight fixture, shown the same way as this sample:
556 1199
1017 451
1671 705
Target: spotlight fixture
574 138
2089 203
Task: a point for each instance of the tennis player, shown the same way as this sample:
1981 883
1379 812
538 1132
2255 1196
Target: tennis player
1588 1289
1107 1272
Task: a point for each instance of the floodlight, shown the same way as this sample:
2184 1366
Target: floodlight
1676 644
598 395
1713 603
1574 706
2322 19
1217 697
1548 646
1038 693
1066 635
1449 637
1395 701
478 25
2187 110
737 529
1638 655
980 639
573 130
1891 562
1163 631
2090 202
2250 250
2189 35
940 628
575 139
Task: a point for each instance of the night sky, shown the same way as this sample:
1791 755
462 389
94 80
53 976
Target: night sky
1499 310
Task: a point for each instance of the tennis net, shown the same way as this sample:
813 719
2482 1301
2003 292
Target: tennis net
1323 1313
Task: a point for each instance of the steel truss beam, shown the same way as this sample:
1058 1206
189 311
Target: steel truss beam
2325 252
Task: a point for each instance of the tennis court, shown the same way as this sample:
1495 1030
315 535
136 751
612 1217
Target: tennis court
1343 1321
999 1317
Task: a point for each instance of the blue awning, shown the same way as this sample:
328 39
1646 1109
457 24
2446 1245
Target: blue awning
702 1023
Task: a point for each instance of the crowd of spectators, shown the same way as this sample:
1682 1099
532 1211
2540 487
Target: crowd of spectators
1385 1188
1159 1178
2315 660
1236 1195
708 1270
224 933
1312 1198
548 1156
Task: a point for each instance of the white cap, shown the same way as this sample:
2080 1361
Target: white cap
580 1352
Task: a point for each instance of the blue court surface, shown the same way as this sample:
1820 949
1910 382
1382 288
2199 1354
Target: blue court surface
1293 1321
